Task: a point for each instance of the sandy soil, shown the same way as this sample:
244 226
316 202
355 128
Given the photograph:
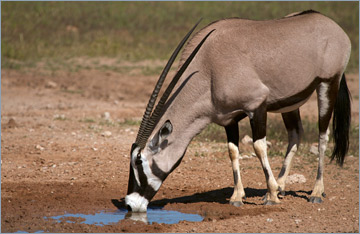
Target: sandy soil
57 157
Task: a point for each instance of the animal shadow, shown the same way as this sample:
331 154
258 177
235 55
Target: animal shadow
221 196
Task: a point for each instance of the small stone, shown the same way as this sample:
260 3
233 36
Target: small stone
51 85
39 147
247 140
269 220
295 178
297 221
106 115
59 117
11 123
314 149
95 149
106 134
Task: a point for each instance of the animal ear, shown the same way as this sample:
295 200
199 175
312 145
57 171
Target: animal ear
159 140
166 129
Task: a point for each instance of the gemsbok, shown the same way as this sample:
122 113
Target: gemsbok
236 68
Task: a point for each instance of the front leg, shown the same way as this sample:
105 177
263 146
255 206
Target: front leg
258 126
232 133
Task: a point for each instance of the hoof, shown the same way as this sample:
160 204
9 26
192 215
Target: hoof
324 195
316 200
268 202
281 191
236 203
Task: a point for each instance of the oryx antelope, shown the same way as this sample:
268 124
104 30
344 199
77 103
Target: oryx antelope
236 68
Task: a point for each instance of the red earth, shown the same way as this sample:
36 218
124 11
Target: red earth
62 153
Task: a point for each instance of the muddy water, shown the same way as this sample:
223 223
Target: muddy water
153 215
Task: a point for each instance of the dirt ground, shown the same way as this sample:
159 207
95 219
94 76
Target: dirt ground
61 153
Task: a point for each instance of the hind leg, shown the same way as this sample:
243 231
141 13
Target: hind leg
295 130
232 133
326 93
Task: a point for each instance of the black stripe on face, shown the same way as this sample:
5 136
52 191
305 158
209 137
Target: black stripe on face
145 189
132 184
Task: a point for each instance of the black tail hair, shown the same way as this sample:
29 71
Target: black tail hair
341 122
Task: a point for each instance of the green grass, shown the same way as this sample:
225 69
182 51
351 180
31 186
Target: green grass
34 31
130 122
87 120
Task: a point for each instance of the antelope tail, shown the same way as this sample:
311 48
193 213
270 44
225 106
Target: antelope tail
341 123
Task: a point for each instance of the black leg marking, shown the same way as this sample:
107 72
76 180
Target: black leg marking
258 123
232 133
236 179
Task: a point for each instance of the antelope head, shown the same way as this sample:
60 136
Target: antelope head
145 176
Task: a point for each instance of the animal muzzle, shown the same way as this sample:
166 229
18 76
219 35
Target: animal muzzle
136 203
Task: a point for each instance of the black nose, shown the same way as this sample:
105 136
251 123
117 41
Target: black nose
128 208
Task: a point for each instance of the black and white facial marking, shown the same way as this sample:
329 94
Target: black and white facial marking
143 185
145 176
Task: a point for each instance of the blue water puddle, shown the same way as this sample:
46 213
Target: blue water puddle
27 232
107 218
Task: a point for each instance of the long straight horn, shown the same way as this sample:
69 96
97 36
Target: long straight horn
158 85
159 108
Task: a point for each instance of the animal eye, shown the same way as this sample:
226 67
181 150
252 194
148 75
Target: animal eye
138 161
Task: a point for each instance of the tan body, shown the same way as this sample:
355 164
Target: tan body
247 61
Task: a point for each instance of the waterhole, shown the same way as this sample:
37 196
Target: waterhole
152 215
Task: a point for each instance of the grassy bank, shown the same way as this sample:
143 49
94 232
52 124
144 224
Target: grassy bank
34 31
